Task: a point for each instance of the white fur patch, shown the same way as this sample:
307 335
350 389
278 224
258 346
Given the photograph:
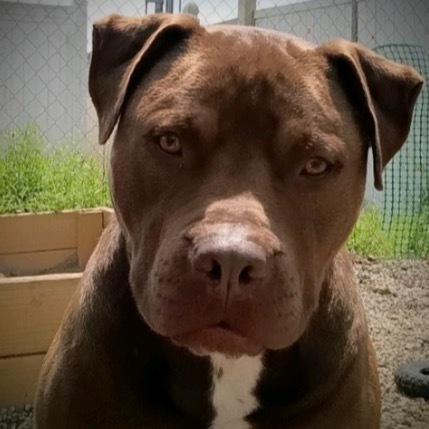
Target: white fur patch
234 380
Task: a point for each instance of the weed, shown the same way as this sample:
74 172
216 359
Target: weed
369 237
33 179
405 235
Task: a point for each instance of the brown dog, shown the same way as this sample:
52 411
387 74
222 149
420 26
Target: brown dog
221 299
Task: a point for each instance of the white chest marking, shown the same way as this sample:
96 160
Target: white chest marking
234 380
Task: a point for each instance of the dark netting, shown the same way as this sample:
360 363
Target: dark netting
406 195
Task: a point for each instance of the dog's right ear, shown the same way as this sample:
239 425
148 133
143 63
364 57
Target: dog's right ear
122 45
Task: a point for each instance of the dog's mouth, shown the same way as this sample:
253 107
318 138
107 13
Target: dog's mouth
220 338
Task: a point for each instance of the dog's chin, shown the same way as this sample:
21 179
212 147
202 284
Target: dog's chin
217 339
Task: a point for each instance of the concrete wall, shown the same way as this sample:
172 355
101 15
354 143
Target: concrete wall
43 67
315 21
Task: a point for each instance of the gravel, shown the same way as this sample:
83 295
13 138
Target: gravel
12 418
396 297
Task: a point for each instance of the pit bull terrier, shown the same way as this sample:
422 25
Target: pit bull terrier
221 297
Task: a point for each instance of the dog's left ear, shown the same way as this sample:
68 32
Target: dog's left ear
383 90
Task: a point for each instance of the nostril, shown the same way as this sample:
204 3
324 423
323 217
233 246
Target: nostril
229 264
245 277
215 273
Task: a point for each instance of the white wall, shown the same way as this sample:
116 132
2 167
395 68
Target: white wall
43 68
394 21
315 21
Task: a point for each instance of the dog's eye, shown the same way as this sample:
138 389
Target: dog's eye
315 167
170 143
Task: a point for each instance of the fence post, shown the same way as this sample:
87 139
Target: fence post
246 12
355 17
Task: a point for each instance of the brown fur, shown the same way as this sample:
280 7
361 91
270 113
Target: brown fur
251 108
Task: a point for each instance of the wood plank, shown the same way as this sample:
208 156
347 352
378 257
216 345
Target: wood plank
33 263
31 309
108 216
18 379
90 227
36 232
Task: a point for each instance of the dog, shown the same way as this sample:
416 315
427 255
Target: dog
221 297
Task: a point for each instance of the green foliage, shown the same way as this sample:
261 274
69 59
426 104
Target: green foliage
413 233
405 235
369 237
33 179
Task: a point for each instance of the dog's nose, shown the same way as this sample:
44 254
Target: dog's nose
229 263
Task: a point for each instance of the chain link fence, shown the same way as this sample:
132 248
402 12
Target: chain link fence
45 48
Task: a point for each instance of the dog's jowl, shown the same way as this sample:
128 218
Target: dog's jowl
221 298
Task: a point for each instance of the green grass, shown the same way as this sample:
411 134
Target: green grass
405 235
369 236
33 179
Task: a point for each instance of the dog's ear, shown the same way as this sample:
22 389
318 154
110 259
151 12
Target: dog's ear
120 46
384 92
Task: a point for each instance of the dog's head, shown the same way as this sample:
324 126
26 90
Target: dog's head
238 168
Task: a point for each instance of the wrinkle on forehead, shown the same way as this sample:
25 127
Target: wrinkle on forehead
223 50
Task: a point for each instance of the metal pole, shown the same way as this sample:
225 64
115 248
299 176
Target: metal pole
246 12
159 7
169 6
355 17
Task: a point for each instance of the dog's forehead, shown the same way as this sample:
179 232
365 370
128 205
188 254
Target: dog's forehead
238 64
269 64
251 51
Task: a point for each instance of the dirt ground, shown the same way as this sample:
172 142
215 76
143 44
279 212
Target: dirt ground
396 297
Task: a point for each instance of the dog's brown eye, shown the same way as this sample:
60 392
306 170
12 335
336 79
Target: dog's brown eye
170 143
315 167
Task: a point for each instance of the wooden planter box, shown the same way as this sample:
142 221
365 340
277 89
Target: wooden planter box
42 257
